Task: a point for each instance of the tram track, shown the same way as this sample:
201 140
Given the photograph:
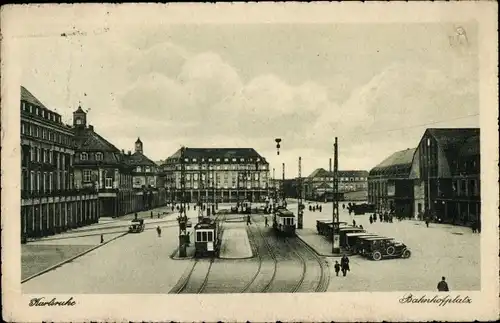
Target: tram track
189 284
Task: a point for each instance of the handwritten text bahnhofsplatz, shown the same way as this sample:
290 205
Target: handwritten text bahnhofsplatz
439 300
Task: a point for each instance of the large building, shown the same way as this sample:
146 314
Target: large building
147 183
446 172
320 183
439 179
389 185
217 175
102 166
50 201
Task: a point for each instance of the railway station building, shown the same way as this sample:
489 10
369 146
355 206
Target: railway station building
50 200
446 172
389 185
216 175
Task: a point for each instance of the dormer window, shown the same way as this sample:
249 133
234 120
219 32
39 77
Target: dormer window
210 159
78 121
226 159
217 160
139 169
258 159
31 108
242 159
146 169
84 156
234 159
194 160
98 156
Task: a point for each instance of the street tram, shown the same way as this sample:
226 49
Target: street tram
207 237
284 222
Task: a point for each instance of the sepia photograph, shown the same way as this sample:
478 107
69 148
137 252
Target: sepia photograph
150 155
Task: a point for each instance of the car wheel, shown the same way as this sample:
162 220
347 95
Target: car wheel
390 250
406 253
377 255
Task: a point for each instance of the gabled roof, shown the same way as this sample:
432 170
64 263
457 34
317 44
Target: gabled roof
217 153
30 98
87 140
457 142
398 163
139 159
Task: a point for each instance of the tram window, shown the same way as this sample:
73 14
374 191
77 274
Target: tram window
198 236
204 235
210 238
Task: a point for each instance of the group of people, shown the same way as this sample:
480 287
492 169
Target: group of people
343 266
313 208
383 217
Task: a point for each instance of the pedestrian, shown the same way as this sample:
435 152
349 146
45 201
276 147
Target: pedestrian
374 217
102 238
474 227
426 222
158 230
320 208
265 219
344 264
337 267
248 220
354 223
151 214
371 219
343 206
443 285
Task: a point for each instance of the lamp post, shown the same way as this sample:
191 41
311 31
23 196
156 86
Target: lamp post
428 178
283 186
299 197
182 219
335 209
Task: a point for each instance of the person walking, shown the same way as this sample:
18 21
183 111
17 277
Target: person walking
102 238
158 230
427 222
337 267
443 285
344 264
265 219
371 219
248 220
354 223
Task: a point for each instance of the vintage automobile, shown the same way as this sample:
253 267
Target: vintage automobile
136 226
362 242
381 247
343 231
351 239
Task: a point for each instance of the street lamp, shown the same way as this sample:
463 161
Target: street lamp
278 140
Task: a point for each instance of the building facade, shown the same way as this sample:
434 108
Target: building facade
149 189
50 201
99 165
217 175
390 187
320 183
447 175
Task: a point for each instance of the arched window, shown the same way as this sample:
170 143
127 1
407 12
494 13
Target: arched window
84 156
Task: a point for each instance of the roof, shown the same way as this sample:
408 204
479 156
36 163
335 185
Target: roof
139 159
87 140
30 98
138 140
457 142
398 163
321 172
217 153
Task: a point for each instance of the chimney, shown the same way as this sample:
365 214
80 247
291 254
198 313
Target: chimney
129 153
91 127
123 152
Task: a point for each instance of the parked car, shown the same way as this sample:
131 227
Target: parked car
381 247
136 226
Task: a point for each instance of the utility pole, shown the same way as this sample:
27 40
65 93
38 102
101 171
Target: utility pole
335 210
299 197
283 185
274 191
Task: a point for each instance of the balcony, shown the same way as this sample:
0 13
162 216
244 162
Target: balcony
56 193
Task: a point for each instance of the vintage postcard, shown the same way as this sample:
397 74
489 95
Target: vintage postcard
250 162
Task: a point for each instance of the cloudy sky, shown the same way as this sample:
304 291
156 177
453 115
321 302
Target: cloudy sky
374 86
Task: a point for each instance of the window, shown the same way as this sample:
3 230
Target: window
233 160
217 160
51 179
84 156
147 170
188 177
38 155
242 159
22 127
139 169
210 159
32 180
195 177
98 156
108 183
37 133
33 154
86 175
